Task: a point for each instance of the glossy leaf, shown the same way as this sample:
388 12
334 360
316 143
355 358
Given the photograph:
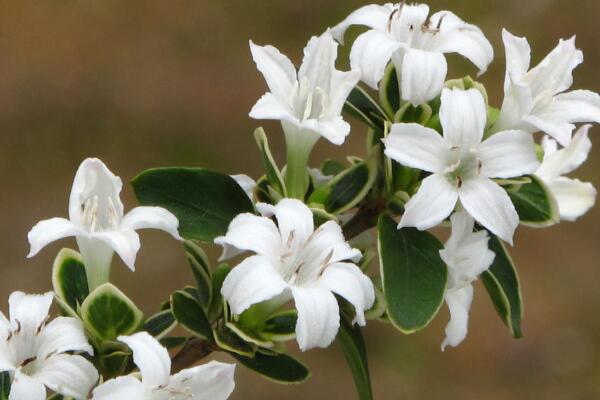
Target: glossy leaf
69 279
189 314
204 201
281 326
272 170
279 368
216 303
160 324
413 275
4 385
200 267
389 91
502 284
362 107
229 341
535 204
353 346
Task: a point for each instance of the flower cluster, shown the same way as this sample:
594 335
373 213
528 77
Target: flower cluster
298 243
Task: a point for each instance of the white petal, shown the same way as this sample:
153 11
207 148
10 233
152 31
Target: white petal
490 205
153 218
252 281
558 129
125 242
97 256
294 218
246 183
342 84
423 75
348 281
333 129
459 303
374 16
576 106
121 388
564 161
456 36
249 232
518 57
69 375
318 64
277 69
574 197
150 357
318 317
434 201
554 74
416 146
212 381
463 115
25 388
508 154
93 178
370 55
29 311
328 242
270 106
48 231
63 334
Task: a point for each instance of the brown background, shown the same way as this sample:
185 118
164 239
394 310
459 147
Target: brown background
144 83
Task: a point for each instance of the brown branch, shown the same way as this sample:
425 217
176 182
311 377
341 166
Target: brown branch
192 351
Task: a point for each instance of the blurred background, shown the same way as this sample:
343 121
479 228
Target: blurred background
147 83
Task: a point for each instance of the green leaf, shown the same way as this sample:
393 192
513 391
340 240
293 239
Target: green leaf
4 385
272 170
115 363
229 341
279 368
353 345
200 266
189 314
281 326
204 201
362 107
389 91
503 286
216 303
332 167
160 324
69 279
413 274
108 313
171 342
535 204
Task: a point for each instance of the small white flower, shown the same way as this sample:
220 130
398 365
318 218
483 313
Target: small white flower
416 43
246 183
574 197
212 381
294 260
462 166
35 351
535 100
310 102
96 219
467 255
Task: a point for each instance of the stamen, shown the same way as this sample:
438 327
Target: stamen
28 361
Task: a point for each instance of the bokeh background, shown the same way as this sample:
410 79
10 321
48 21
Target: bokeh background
146 83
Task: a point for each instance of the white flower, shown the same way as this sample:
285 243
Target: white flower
35 351
212 381
96 219
310 102
467 255
295 260
462 166
416 45
246 183
574 197
535 100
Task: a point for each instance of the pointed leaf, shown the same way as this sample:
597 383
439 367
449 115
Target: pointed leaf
69 278
353 345
189 314
200 266
272 170
204 201
216 303
535 204
281 326
279 368
413 275
389 91
4 385
160 324
229 341
362 107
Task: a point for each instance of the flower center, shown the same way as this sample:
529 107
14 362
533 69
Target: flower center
299 264
463 165
100 215
310 102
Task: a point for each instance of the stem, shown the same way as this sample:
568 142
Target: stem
192 351
295 172
97 258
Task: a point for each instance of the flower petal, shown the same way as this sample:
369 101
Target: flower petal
374 16
250 282
121 388
370 55
277 69
150 357
246 183
211 381
126 243
333 129
423 75
518 58
348 281
318 317
490 205
249 232
342 84
416 146
508 154
459 303
328 242
63 334
29 311
463 115
48 231
576 106
318 64
566 160
69 375
559 129
574 197
434 201
24 387
270 106
294 218
153 218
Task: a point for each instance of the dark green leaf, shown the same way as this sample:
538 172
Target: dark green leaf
280 368
115 363
535 204
272 170
69 278
281 326
201 270
353 345
189 314
413 274
171 342
229 341
332 167
362 107
204 201
160 324
389 91
216 303
108 313
502 283
4 385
